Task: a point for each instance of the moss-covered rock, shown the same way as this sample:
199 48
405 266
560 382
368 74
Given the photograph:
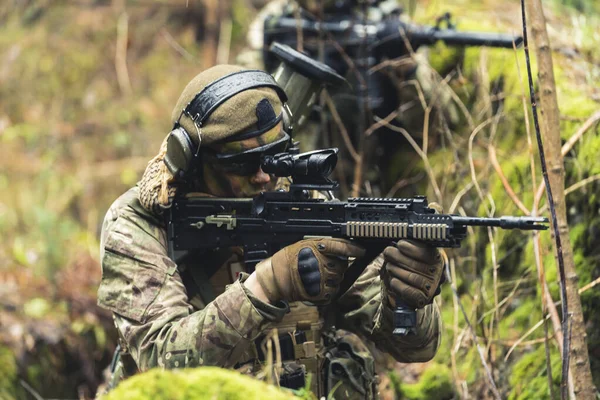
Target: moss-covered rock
195 384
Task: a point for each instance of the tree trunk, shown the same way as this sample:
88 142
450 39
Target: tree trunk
579 362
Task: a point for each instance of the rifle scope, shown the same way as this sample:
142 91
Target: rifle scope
313 166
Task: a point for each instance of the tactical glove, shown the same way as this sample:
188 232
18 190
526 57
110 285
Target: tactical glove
412 272
309 270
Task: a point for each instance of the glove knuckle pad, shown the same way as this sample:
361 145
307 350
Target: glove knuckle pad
308 269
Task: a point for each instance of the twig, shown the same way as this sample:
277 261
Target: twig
396 62
402 183
121 54
504 300
477 345
427 114
452 276
471 163
529 332
492 239
31 390
299 31
459 196
342 128
569 145
583 129
505 183
423 156
574 187
456 99
224 45
378 124
589 285
176 46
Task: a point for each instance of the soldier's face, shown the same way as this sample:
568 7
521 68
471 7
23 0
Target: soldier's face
221 181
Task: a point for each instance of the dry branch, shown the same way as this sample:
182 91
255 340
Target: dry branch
121 54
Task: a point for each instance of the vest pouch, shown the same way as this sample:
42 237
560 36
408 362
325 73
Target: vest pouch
348 370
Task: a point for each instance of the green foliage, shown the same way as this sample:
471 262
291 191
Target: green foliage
36 308
195 384
9 383
529 379
434 384
485 71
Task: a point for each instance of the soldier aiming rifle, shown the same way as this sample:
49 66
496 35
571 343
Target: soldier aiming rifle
202 259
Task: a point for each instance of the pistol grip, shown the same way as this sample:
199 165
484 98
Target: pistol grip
405 319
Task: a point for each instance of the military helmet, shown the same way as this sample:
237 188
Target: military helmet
222 104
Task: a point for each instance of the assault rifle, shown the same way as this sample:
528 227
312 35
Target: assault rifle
273 220
387 38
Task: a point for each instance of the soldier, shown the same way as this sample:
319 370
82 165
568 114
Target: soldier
406 86
204 309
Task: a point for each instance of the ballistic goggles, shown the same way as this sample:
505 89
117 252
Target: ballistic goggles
245 163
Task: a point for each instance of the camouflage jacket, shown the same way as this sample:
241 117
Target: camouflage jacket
161 325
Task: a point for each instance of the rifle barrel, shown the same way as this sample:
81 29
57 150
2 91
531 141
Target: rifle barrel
506 222
502 40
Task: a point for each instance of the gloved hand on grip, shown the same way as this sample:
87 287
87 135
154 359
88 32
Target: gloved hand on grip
413 272
309 270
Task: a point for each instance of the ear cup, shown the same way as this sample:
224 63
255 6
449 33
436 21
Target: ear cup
180 152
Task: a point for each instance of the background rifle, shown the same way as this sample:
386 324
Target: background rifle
384 39
272 220
352 44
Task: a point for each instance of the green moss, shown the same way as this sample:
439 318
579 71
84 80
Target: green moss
524 313
195 384
529 376
587 154
444 58
434 384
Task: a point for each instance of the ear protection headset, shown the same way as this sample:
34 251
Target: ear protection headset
182 155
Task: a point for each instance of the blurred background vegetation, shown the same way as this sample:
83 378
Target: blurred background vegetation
86 93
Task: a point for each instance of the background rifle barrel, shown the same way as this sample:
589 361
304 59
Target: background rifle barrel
458 38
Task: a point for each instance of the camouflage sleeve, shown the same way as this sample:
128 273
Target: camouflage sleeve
366 312
143 288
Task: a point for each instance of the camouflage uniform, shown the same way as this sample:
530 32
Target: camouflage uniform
164 321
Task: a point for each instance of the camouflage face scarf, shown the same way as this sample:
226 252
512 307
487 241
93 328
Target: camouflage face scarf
156 186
